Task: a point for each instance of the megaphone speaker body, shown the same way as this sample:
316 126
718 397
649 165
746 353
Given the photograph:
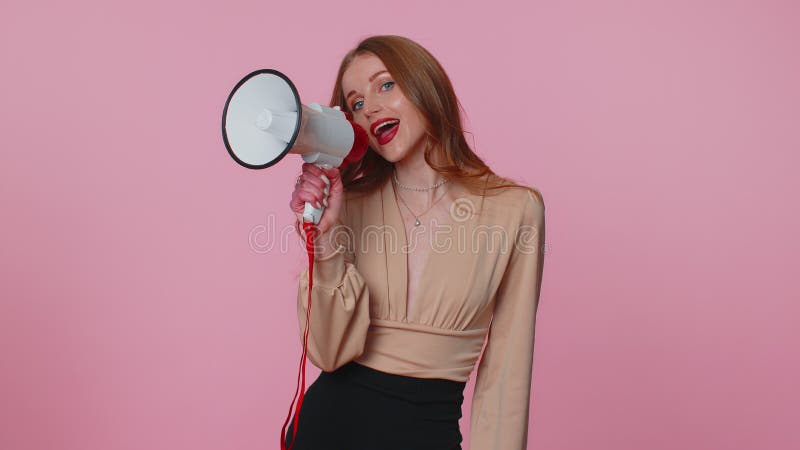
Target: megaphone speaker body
264 120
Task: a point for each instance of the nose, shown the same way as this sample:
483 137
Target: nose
372 108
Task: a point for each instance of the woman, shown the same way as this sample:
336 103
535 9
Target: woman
422 252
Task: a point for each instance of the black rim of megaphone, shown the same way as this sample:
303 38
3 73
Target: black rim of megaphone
296 128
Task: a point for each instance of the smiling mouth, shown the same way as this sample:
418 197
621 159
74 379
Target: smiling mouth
386 131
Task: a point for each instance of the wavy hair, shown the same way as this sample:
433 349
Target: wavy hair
425 83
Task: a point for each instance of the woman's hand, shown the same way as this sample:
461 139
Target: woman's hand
310 188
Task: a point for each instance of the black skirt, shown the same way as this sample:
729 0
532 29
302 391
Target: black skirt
360 408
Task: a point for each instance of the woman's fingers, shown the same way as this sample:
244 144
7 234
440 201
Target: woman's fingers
305 193
332 173
311 188
334 177
314 180
314 193
312 169
317 192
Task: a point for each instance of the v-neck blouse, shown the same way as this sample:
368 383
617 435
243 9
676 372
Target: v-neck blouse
481 279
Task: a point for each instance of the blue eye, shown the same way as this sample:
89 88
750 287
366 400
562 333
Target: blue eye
360 104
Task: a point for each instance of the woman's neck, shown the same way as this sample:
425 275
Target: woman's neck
415 171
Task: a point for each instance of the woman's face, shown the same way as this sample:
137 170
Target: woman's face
395 127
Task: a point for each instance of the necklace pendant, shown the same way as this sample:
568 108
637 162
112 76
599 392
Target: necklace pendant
416 223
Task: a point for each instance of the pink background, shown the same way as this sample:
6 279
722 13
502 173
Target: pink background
147 302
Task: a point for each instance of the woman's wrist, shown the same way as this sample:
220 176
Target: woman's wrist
324 243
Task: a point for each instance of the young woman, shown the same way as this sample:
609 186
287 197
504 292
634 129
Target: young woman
422 253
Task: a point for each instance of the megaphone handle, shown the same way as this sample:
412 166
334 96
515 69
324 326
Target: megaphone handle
311 213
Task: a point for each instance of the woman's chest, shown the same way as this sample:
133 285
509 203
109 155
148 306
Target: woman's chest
436 274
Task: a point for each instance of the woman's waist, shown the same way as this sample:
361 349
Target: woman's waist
421 351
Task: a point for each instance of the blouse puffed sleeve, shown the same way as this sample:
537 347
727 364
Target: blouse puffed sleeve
499 414
339 311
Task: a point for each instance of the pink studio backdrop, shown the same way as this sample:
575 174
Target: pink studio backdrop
148 282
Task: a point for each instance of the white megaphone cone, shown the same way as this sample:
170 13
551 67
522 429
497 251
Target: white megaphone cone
263 120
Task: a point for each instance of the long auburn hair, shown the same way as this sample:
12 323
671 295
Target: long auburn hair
425 83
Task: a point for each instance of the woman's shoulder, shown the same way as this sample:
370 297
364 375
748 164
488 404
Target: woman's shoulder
521 209
508 193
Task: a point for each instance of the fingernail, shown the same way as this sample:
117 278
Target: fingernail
317 205
325 202
327 190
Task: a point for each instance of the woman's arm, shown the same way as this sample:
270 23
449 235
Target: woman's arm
339 305
499 418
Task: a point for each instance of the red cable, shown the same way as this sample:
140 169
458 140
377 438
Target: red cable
308 227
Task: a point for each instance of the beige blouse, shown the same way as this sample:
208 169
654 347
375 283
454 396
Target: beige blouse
481 278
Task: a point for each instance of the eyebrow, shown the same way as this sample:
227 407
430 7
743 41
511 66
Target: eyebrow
370 80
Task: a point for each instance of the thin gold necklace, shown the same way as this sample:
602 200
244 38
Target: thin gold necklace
417 216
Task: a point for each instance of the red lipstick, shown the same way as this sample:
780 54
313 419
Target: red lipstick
385 129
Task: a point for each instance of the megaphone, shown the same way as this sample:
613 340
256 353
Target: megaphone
264 120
